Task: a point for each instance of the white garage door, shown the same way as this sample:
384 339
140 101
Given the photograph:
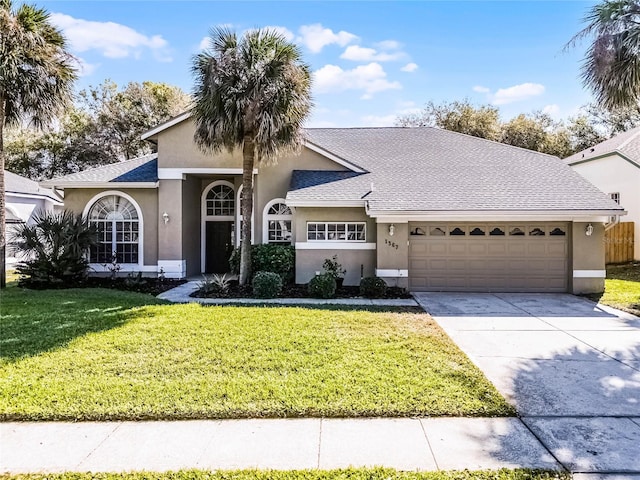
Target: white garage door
531 257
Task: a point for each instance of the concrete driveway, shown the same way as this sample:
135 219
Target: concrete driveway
570 367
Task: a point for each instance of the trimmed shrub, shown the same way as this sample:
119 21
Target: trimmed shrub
267 284
322 286
373 287
280 259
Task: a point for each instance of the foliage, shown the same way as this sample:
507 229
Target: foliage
253 93
613 121
280 259
134 281
622 288
267 285
537 132
103 127
55 246
82 354
214 283
333 268
377 473
322 286
373 287
611 66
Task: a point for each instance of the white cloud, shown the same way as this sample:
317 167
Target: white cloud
379 120
112 40
370 78
284 31
85 69
315 37
517 93
410 67
552 109
481 89
362 54
389 45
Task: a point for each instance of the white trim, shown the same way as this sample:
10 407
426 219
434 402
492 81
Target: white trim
170 173
124 267
392 272
503 216
325 203
34 196
589 274
341 245
265 219
173 268
333 157
204 218
141 244
63 185
165 125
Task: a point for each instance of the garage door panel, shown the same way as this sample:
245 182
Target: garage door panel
517 263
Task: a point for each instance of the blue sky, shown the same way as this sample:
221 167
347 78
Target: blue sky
371 60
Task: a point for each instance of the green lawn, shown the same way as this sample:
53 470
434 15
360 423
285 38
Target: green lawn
622 287
344 474
94 354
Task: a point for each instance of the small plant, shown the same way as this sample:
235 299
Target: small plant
267 284
322 286
215 283
280 259
113 267
333 268
134 281
161 275
373 287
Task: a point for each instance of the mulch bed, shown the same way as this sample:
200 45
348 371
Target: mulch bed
296 291
152 286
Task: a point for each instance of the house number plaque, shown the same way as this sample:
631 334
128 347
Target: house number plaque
390 244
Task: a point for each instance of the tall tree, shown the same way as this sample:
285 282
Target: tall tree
611 66
36 79
251 93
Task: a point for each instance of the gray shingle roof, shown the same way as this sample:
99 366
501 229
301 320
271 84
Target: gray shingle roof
627 143
428 169
14 183
141 169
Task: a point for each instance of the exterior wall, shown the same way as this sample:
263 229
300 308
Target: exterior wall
76 199
588 271
393 254
191 208
615 174
170 253
26 207
353 256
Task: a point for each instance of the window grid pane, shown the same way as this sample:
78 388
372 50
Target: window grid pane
336 232
116 220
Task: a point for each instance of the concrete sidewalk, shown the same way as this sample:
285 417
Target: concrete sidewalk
282 444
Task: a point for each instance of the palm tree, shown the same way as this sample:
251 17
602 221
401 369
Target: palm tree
611 66
251 93
36 78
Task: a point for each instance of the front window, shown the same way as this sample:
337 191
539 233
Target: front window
279 224
336 232
118 230
221 201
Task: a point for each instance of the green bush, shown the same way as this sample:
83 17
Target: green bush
55 246
322 286
373 287
267 284
280 259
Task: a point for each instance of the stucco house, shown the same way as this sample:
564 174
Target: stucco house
23 198
423 208
614 167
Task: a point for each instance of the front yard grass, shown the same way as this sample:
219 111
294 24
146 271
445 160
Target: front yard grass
343 474
622 287
96 354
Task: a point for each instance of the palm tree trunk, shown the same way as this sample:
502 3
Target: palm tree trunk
3 243
246 206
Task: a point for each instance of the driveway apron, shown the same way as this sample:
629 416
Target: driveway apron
571 369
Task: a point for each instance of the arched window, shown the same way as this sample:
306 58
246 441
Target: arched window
277 223
220 201
118 230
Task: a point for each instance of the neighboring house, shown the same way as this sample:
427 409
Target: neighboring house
614 167
423 208
23 199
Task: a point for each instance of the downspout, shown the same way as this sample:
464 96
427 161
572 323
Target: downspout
608 226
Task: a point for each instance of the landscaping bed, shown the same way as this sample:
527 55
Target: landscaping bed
101 354
150 285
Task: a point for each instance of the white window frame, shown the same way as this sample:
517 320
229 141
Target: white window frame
266 218
615 196
204 218
126 266
346 229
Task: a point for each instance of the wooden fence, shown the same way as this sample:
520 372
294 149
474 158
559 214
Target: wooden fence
618 243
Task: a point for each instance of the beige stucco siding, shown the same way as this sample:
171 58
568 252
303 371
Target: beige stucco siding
358 256
76 199
191 225
587 259
614 174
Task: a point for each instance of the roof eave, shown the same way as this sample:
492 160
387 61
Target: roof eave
63 185
164 126
493 216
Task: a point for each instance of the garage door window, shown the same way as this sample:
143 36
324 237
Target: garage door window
516 231
537 232
477 232
557 232
497 232
457 231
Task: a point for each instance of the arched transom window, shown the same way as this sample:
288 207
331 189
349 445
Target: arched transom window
278 223
221 201
118 230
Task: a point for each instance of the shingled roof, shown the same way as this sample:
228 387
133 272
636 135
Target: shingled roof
626 144
428 169
138 170
19 185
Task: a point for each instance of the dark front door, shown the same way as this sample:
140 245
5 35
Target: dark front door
218 247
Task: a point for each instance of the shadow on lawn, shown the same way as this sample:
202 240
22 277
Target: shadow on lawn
33 322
